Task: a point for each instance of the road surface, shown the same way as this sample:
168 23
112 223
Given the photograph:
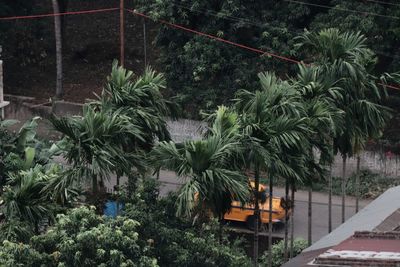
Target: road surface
319 208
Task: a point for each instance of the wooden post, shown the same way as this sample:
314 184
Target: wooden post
122 32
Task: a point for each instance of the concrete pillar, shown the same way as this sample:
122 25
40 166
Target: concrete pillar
3 103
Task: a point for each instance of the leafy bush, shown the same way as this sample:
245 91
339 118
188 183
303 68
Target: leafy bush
278 252
81 238
176 241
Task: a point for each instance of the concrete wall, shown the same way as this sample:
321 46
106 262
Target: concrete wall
24 108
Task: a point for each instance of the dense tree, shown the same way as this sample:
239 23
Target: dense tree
205 72
81 238
272 121
319 92
346 56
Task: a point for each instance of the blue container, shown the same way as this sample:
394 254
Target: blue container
110 209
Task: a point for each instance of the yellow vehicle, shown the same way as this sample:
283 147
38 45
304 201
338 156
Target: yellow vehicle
245 213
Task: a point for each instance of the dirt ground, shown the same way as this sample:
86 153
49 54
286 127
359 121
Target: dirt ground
91 43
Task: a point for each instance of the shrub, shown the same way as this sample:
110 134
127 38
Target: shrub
81 238
176 241
278 252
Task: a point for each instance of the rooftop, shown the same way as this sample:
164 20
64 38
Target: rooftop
369 236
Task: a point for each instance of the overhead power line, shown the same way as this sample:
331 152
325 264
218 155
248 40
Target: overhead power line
217 38
242 46
343 9
249 22
60 14
383 3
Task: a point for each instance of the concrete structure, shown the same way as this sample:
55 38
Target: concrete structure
3 103
381 215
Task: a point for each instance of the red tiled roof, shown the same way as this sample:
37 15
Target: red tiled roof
364 249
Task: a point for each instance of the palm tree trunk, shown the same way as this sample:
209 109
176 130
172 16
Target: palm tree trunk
285 251
358 182
58 38
118 177
271 184
292 223
330 200
256 214
94 184
221 224
309 215
344 188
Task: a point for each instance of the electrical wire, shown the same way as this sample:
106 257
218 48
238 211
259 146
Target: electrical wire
249 22
343 9
290 60
383 3
217 38
60 14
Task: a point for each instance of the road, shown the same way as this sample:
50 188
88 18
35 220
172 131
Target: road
319 208
170 182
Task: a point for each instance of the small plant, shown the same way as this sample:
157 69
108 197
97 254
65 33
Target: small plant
278 252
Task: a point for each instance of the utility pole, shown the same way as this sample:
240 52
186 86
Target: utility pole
122 32
59 58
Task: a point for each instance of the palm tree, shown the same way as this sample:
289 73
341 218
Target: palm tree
271 122
141 100
93 144
347 56
24 199
208 167
319 92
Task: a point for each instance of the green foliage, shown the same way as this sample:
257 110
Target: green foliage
214 178
81 238
93 143
274 127
176 241
346 57
20 150
372 185
29 201
141 100
278 252
149 234
205 73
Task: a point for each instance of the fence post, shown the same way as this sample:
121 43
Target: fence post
122 32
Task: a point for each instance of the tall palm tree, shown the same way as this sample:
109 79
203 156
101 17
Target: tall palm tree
209 168
271 121
347 56
319 91
141 100
93 144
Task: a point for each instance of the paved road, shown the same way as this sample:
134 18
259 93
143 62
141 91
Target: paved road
169 182
320 208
